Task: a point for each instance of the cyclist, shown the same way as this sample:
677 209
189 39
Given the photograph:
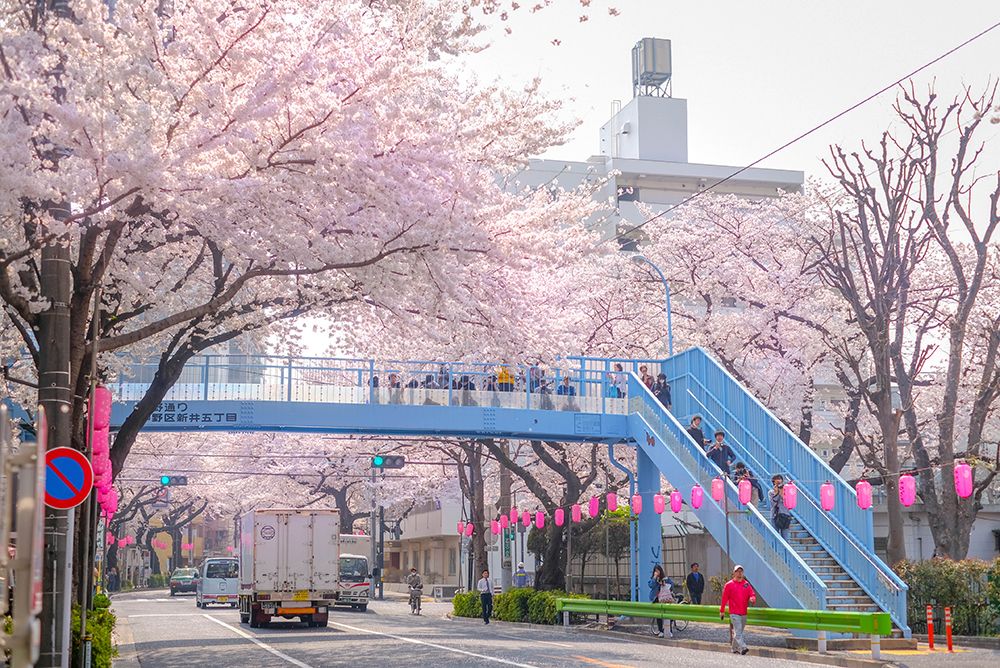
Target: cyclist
415 584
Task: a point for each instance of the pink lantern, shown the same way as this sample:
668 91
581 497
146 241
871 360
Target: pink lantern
613 501
539 520
826 495
676 501
495 528
790 495
659 504
504 521
560 517
514 515
100 465
636 504
718 489
229 548
526 518
100 441
461 528
907 490
101 405
468 529
864 493
745 490
697 496
109 538
121 542
594 507
130 540
963 480
576 512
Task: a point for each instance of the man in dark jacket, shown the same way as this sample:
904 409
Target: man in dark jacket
720 453
695 584
696 433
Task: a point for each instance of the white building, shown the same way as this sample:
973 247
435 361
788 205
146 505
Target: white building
643 149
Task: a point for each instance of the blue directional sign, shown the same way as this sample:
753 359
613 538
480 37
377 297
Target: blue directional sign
68 478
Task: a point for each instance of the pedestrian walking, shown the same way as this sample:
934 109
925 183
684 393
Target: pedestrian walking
486 595
661 389
661 591
738 595
720 453
741 472
695 584
619 380
781 518
647 378
694 430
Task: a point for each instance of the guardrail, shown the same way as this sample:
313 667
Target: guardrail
873 624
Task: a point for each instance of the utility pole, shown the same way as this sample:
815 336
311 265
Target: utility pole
506 554
55 395
381 551
376 574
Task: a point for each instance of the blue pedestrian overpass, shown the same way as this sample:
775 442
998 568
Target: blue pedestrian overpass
830 563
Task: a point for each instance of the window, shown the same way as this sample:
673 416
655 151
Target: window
628 194
452 560
222 569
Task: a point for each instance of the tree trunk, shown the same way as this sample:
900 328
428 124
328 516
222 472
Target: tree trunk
552 574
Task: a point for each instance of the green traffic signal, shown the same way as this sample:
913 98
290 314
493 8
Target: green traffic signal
164 480
378 461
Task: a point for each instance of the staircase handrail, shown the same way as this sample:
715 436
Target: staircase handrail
648 408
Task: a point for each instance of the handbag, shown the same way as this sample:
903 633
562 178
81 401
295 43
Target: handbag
665 595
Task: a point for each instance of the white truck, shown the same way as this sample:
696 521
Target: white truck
289 565
355 571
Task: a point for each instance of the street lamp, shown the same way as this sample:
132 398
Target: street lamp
638 258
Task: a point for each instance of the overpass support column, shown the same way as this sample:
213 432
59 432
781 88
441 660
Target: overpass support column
650 538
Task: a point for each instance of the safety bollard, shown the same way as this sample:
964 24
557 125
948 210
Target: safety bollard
876 646
930 628
565 617
821 641
947 627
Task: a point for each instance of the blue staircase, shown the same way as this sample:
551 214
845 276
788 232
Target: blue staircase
700 385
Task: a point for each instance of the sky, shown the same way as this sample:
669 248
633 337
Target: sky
755 74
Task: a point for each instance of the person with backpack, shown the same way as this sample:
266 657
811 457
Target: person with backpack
780 517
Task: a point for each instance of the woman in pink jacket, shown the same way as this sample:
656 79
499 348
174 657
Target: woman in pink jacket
739 595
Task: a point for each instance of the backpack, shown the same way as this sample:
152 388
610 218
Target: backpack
783 521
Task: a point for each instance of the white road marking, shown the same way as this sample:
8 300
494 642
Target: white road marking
166 614
243 634
435 645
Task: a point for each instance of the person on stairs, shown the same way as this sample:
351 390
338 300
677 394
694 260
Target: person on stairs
781 517
738 595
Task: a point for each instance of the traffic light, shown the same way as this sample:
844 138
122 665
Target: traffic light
388 461
173 480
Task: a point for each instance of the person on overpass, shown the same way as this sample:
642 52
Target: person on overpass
661 390
741 472
781 518
738 595
520 576
694 429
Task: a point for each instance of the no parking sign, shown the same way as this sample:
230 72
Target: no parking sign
68 478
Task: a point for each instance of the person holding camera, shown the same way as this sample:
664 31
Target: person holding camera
780 517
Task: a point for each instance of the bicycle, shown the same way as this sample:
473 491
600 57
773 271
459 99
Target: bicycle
675 624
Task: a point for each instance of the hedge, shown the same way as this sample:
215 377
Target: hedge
100 622
157 581
515 605
971 588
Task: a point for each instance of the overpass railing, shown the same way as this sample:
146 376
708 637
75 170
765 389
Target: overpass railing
566 387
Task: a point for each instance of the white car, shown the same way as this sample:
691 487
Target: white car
218 582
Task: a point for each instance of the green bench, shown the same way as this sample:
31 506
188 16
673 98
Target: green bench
873 624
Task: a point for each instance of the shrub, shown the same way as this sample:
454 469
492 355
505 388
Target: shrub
157 581
467 605
100 622
542 605
512 606
102 601
971 588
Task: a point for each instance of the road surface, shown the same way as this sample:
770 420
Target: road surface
156 631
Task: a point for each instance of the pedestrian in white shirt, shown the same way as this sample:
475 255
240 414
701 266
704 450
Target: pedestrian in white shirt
486 595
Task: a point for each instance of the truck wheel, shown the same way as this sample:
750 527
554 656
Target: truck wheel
244 618
258 618
363 607
320 620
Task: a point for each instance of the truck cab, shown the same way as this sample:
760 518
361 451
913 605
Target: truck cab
355 581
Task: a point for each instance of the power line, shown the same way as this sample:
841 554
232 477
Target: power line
805 134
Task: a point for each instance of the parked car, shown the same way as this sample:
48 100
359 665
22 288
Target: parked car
218 582
183 579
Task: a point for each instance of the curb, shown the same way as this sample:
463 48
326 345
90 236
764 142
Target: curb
122 638
702 645
979 642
